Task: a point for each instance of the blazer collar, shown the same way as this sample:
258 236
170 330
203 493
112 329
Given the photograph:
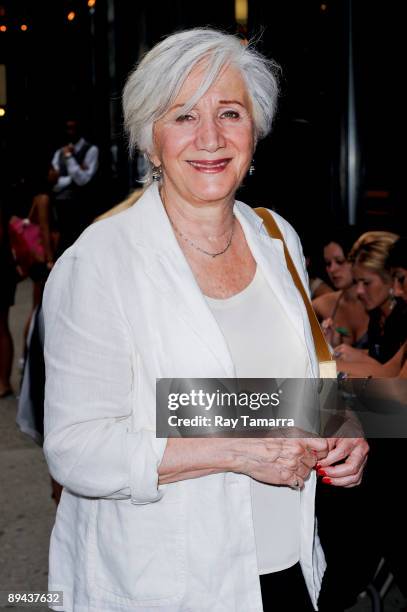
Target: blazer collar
169 270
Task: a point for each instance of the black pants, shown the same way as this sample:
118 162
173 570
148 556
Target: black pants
285 591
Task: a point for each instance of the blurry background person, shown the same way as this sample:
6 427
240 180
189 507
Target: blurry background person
317 285
168 288
396 264
8 280
30 414
41 213
387 329
343 316
74 175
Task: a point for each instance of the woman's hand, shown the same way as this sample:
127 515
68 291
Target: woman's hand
352 453
349 354
279 461
332 336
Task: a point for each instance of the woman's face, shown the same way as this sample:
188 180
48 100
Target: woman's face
206 152
337 267
400 282
371 289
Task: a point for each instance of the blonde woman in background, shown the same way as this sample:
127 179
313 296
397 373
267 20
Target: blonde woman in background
396 365
374 287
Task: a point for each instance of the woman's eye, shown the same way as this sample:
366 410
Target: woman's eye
230 114
182 118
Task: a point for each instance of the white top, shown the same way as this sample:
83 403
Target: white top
251 333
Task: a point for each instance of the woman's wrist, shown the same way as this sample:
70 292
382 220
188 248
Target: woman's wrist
190 458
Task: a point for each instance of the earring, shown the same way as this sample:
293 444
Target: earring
157 173
252 168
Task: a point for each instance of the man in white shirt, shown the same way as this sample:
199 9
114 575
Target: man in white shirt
74 174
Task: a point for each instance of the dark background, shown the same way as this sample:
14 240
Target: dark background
57 67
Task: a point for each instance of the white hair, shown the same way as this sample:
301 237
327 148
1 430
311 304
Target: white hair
154 84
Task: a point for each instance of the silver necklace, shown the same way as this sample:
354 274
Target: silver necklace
198 248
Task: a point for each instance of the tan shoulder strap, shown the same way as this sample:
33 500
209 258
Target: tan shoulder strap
321 346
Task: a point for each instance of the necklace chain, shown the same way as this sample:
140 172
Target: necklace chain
200 249
195 246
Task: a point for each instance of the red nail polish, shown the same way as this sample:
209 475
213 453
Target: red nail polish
318 466
326 480
321 472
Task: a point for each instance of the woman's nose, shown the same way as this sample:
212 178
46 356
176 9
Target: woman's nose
332 266
209 135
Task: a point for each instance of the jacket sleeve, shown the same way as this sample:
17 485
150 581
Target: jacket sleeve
91 376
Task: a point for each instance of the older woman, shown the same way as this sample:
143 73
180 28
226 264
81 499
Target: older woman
186 283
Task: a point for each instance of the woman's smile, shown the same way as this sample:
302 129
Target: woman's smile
207 166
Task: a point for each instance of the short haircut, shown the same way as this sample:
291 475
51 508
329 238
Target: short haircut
153 85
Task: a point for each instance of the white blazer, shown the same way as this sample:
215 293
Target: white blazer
122 308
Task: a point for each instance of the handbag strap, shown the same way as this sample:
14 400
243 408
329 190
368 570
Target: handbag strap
321 345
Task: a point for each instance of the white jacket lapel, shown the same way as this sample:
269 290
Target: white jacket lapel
177 285
173 278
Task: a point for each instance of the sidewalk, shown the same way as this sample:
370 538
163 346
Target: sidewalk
26 509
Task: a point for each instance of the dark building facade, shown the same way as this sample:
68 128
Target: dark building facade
333 152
